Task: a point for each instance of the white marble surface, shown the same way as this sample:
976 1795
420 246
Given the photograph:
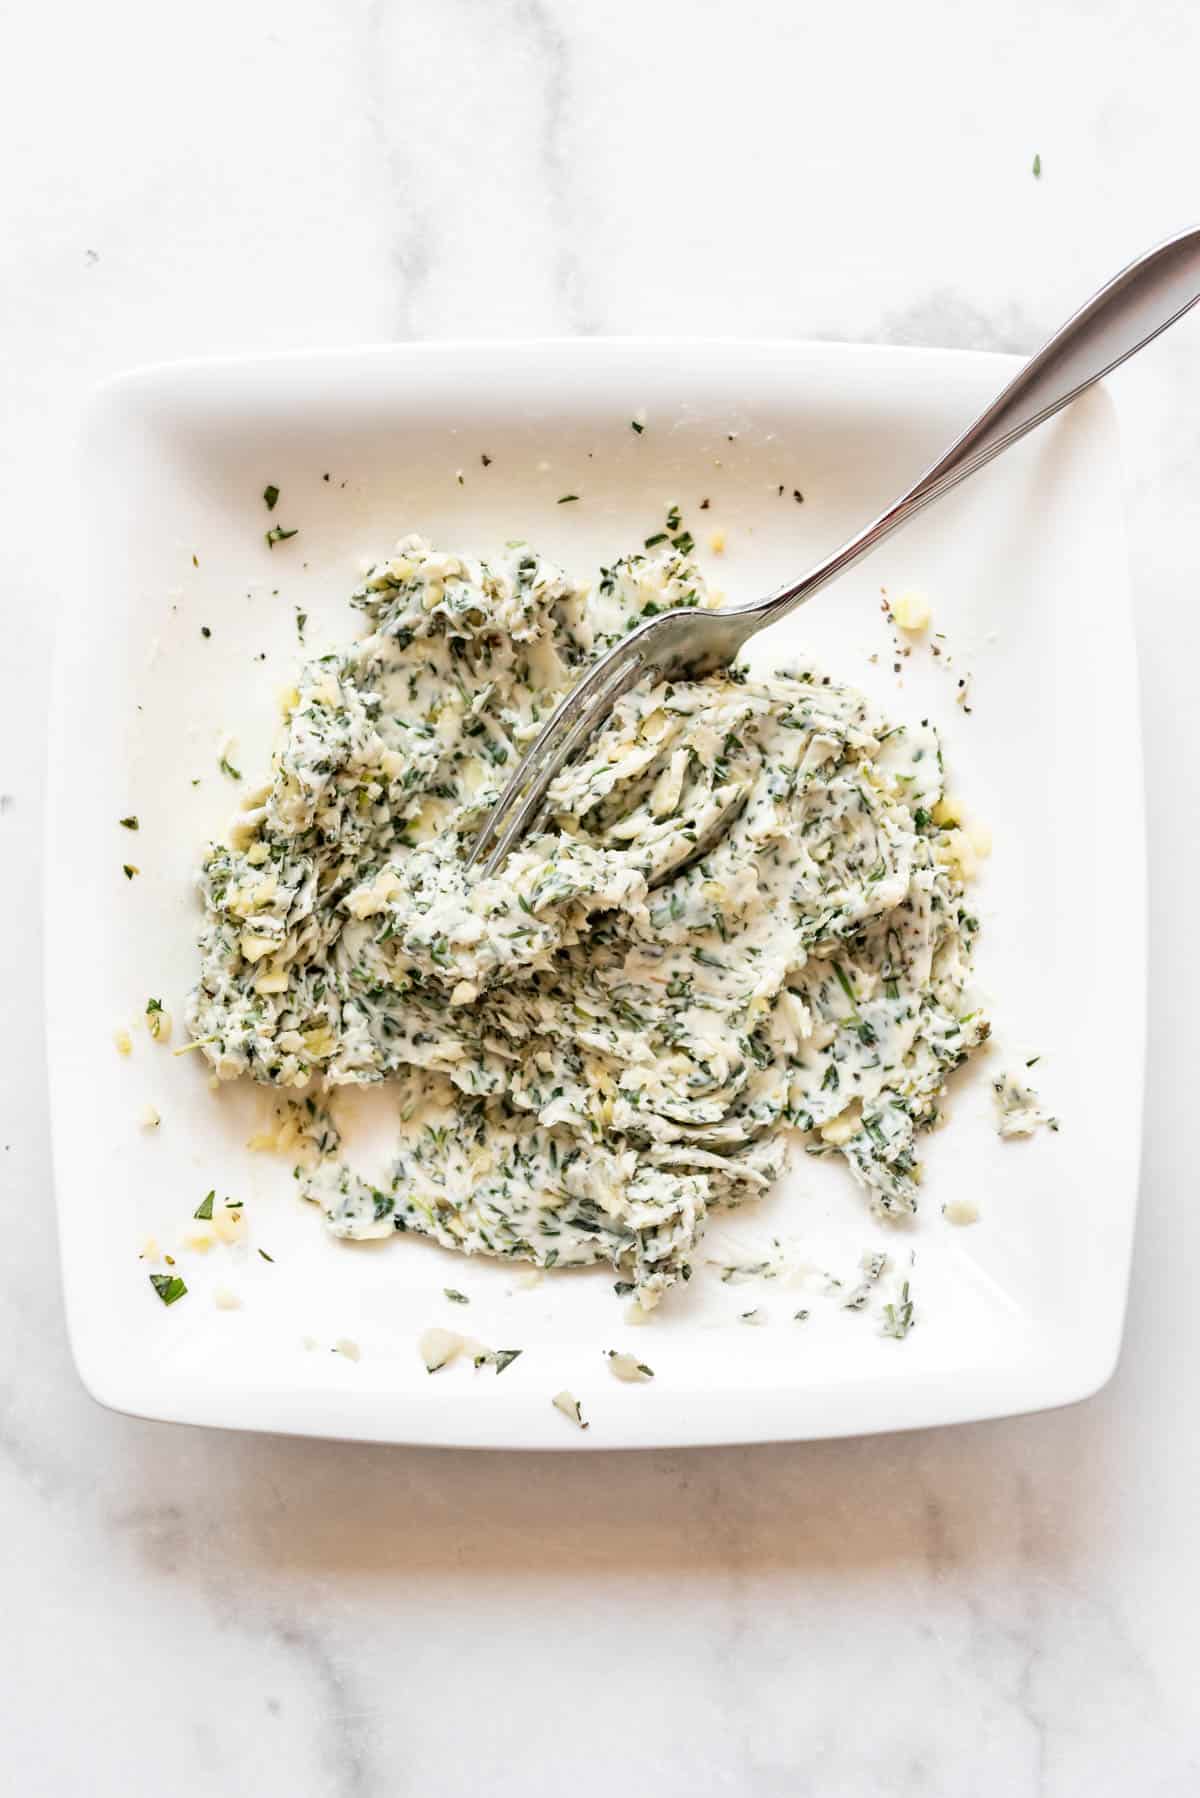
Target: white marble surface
1007 1609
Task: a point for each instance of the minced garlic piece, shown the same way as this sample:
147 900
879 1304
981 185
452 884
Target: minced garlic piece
229 1223
840 1129
628 1368
158 1022
123 1041
439 1347
912 611
568 1404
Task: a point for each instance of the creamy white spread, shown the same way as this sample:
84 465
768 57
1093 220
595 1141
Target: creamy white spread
1017 1107
739 925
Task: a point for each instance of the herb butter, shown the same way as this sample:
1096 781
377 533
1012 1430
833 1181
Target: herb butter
740 926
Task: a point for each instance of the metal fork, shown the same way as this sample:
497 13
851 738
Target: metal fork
1118 321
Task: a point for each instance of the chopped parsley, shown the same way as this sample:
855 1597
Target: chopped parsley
271 496
169 1287
277 534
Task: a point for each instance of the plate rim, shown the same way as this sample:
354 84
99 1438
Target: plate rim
113 1372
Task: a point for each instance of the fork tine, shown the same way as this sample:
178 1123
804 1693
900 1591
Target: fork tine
626 676
560 719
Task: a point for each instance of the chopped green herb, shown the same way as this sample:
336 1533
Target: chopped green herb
567 499
129 870
204 631
456 1297
129 823
898 1317
204 1208
169 1287
634 425
267 1257
1037 168
277 535
227 767
271 496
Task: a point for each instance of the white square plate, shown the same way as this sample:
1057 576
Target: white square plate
1026 571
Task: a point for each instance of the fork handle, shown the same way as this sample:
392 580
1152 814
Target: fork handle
1118 321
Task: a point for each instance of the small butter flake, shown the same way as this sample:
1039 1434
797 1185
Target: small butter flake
716 542
349 1349
961 1211
527 1281
150 1118
1018 1111
149 1250
568 1404
225 1300
123 1041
